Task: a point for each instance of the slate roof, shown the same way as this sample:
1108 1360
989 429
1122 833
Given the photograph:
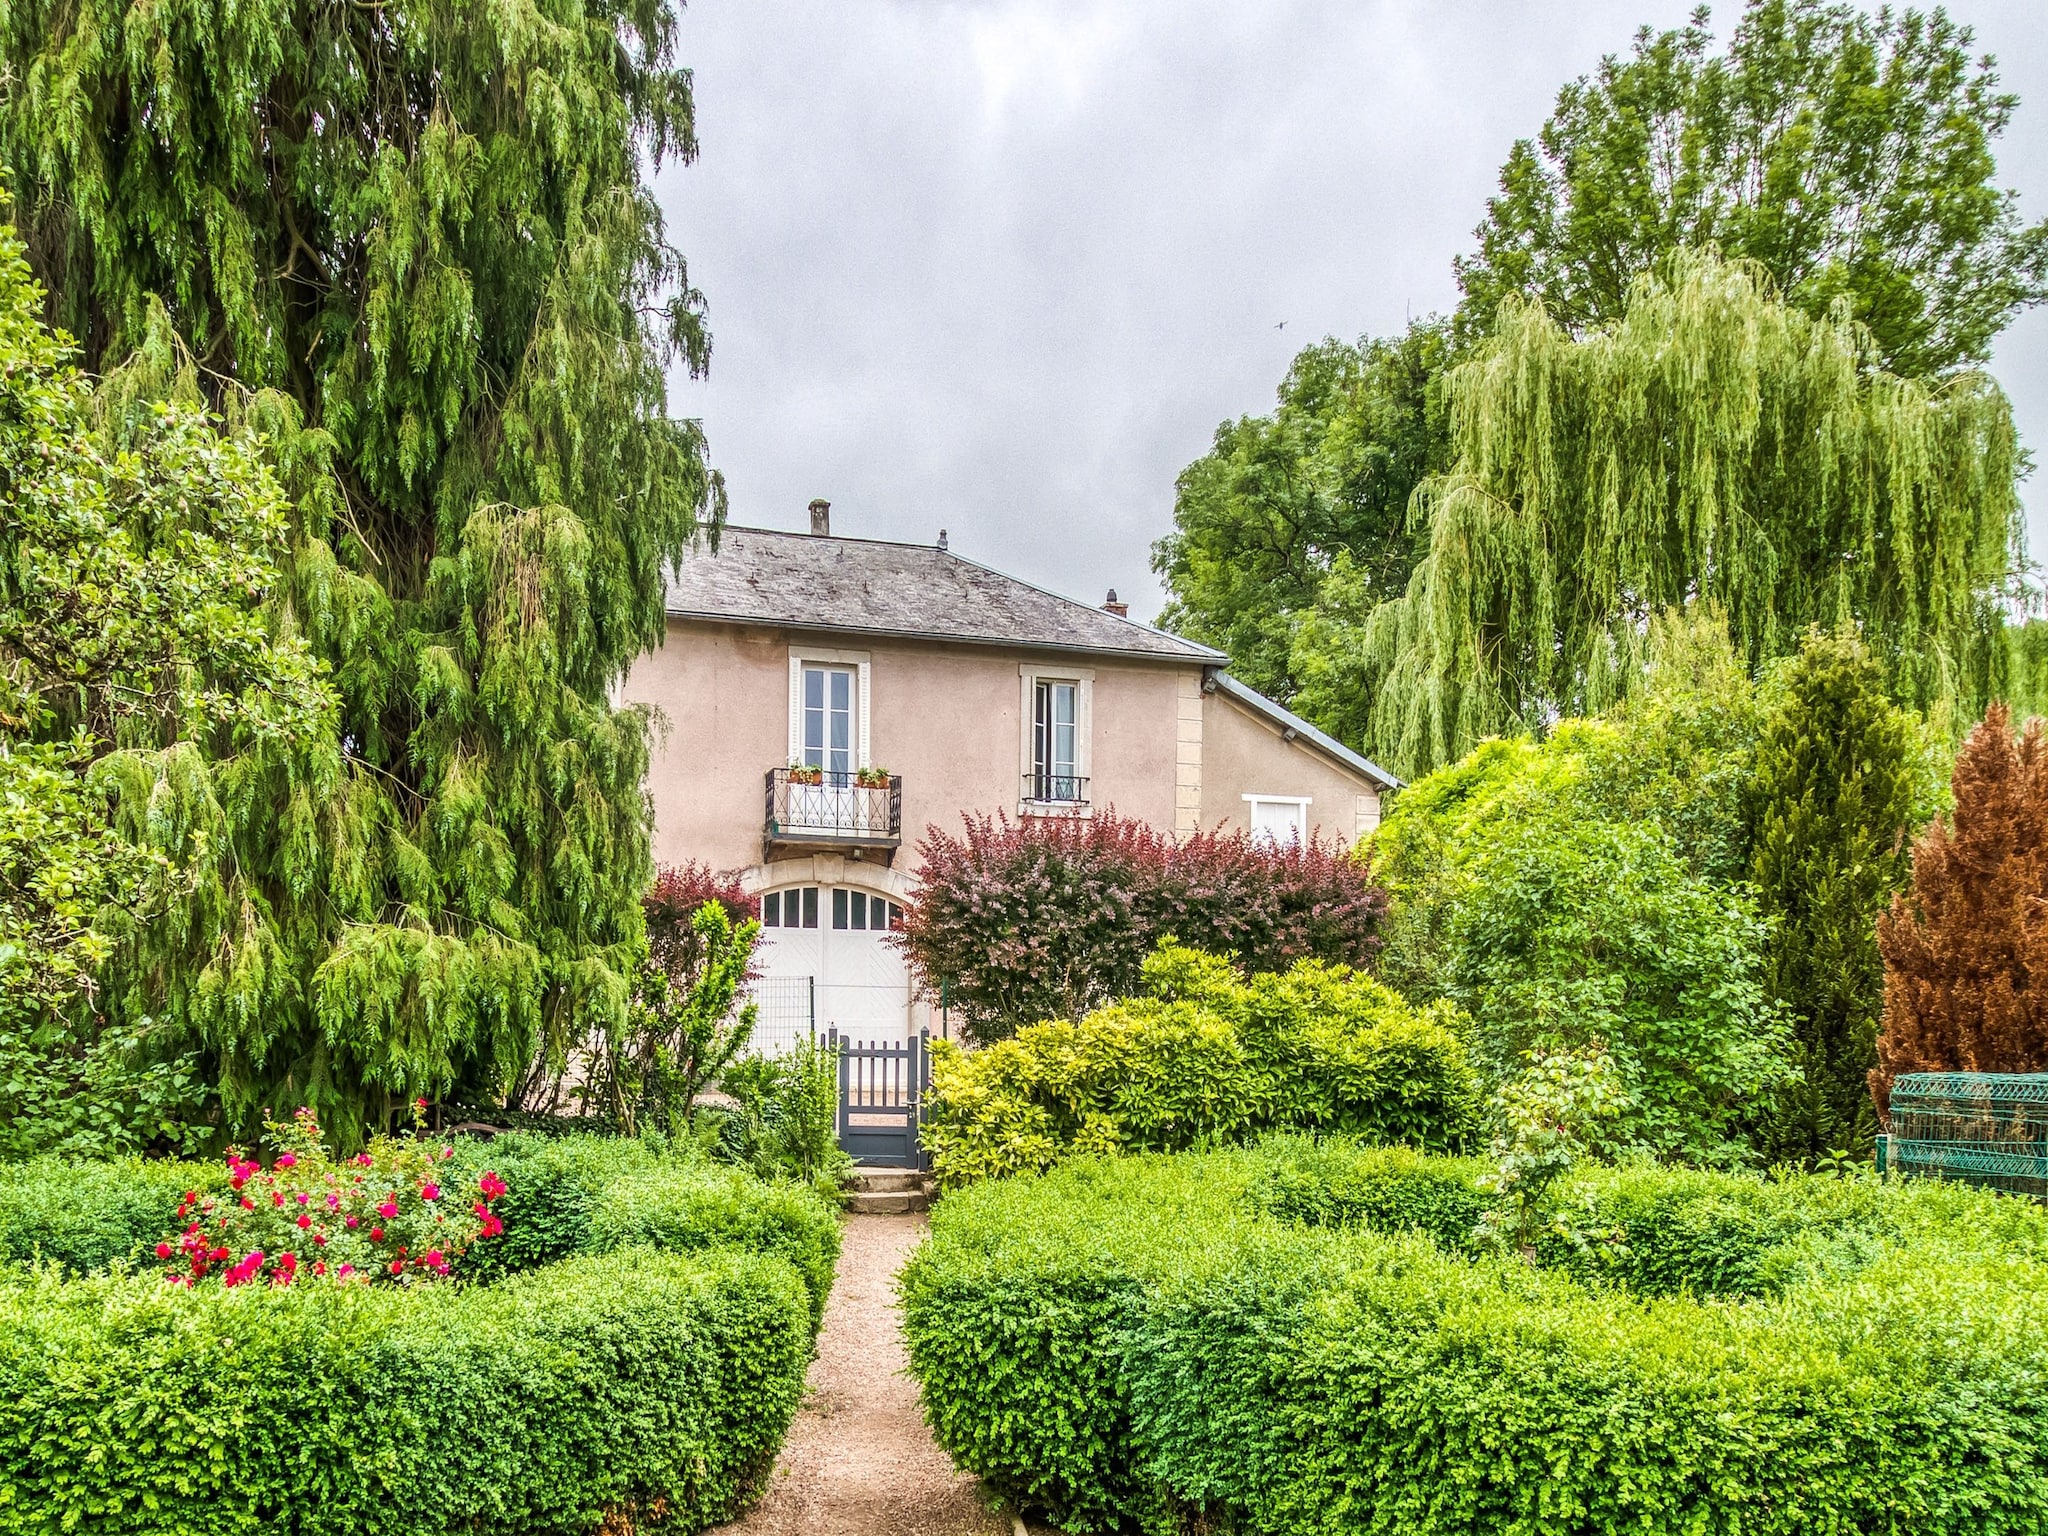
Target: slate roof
869 587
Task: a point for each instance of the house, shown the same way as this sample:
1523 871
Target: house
828 699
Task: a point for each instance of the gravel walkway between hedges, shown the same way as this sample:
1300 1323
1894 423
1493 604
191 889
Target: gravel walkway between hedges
859 1460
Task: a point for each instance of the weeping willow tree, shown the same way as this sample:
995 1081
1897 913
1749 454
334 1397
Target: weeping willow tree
407 246
1713 444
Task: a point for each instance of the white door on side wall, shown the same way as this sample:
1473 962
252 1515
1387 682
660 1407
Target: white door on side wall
826 962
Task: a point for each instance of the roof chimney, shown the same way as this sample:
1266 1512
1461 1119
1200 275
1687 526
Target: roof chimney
821 517
1111 605
942 538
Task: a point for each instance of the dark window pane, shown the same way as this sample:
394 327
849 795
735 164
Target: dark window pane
839 908
810 906
771 910
860 909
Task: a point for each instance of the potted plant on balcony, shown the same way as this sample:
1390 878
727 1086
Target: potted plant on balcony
806 773
871 778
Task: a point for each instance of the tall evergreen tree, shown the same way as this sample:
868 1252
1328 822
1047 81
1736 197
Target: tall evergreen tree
1838 788
1714 443
410 245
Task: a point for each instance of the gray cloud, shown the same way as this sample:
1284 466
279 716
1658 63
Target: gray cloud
1000 266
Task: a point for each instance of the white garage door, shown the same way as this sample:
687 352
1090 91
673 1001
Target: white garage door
825 961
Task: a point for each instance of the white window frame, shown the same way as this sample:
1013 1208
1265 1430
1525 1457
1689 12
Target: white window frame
1300 803
1029 675
859 661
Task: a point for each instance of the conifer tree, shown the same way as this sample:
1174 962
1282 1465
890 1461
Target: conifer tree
408 244
1714 443
1966 948
1836 789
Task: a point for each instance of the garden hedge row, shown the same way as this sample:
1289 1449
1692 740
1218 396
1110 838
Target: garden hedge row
86 1214
635 1388
564 1196
1222 1342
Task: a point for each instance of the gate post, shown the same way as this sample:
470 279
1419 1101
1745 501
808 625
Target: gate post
920 1082
838 1050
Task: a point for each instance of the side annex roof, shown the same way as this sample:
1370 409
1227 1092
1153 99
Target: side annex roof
1289 721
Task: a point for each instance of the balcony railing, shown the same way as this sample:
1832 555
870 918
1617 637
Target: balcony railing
821 807
1062 789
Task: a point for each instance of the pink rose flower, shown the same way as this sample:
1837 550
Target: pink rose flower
304 1221
352 1222
430 1191
163 1250
287 1161
388 1209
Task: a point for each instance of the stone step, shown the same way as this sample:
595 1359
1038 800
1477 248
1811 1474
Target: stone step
887 1181
890 1203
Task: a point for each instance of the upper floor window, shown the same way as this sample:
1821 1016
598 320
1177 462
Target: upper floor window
829 712
1278 821
1056 740
831 702
1057 721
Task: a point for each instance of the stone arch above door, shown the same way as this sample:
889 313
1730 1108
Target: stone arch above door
828 869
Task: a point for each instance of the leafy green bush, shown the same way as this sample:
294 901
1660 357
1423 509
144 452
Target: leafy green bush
1148 1342
1589 890
552 1184
685 1207
1207 1057
785 1124
85 1214
630 1389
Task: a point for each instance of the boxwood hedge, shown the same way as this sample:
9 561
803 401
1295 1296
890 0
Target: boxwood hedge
628 1353
1276 1341
634 1386
564 1195
84 1214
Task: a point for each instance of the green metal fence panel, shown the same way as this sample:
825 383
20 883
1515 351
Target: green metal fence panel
1987 1128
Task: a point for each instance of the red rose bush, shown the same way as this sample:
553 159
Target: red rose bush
396 1212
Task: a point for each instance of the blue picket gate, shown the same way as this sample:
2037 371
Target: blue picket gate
881 1099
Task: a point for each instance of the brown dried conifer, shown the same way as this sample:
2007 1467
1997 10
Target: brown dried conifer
1966 949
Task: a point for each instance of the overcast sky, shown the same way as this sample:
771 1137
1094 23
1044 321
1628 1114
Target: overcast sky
1001 266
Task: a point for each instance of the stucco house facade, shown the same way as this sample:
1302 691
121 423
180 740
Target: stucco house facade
828 699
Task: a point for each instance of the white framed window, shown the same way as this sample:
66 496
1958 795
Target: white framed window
828 710
1058 715
1278 820
796 907
862 912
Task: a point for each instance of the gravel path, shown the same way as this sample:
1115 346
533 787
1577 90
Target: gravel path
859 1460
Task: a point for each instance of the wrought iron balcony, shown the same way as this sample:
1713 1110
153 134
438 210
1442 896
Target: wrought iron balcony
818 808
1063 790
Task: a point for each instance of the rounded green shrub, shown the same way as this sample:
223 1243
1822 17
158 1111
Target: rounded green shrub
628 1389
687 1207
1208 1056
552 1184
1288 1340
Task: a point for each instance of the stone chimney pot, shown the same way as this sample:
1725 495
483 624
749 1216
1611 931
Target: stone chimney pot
942 538
821 517
1111 605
